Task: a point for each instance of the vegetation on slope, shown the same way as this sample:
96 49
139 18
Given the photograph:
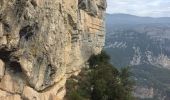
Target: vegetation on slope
101 81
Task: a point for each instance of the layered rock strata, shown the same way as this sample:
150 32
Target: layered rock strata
43 42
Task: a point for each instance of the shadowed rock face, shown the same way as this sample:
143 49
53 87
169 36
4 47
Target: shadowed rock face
43 42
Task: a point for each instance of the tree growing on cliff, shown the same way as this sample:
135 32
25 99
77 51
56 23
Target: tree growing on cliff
102 81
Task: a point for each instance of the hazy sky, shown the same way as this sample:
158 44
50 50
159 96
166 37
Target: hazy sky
152 8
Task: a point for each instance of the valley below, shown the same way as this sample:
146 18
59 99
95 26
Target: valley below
143 44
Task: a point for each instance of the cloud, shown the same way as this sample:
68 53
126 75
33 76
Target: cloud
152 8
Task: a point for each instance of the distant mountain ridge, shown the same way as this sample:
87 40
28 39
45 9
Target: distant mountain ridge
132 19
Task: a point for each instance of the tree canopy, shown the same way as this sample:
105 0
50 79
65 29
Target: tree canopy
102 81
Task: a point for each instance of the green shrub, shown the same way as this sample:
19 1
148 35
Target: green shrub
74 95
101 82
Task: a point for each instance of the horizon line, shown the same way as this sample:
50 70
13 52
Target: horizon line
138 15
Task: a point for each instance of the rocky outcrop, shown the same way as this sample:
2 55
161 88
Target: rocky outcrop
43 42
2 69
144 92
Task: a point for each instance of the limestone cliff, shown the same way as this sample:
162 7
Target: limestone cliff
43 42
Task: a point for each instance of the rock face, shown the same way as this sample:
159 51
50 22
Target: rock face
144 92
43 42
2 69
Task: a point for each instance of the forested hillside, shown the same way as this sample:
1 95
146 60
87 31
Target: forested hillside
142 43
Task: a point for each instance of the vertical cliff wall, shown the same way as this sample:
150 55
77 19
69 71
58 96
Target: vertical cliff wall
43 42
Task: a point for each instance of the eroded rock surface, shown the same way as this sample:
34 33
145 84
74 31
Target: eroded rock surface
2 69
43 42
